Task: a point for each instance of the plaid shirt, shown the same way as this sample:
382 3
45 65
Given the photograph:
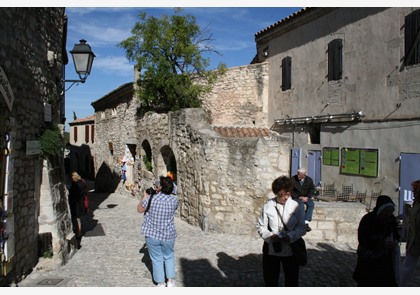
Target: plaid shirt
159 222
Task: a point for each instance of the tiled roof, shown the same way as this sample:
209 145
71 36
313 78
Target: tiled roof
85 119
243 132
284 20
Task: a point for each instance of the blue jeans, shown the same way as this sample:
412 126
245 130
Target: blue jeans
309 210
162 255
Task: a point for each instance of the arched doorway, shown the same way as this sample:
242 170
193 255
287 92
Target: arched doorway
166 161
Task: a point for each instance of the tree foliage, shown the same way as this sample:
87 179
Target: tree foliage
169 54
51 142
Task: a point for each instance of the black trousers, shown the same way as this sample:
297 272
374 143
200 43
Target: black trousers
272 266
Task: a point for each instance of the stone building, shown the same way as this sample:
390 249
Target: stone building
329 90
33 196
81 153
223 173
344 85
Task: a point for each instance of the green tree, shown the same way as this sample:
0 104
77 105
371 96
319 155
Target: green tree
169 53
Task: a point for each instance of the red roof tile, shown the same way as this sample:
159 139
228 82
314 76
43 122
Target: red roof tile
79 120
243 132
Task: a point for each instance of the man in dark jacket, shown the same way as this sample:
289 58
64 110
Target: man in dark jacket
303 191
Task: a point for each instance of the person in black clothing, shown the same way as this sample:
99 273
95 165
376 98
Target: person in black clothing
77 193
303 191
378 246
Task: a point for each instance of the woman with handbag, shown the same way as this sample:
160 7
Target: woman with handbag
77 195
282 222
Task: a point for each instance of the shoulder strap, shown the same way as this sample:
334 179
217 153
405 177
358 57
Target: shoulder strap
281 218
149 203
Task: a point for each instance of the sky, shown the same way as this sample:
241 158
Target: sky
233 30
104 26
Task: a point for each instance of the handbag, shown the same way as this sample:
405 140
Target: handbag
298 246
86 199
299 250
86 202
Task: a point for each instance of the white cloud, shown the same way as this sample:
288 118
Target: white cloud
233 45
118 65
101 36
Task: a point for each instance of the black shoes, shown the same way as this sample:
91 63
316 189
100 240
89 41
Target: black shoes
308 229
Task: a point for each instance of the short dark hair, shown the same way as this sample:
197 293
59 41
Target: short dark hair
282 183
166 184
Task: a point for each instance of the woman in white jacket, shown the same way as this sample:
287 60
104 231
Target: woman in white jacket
281 222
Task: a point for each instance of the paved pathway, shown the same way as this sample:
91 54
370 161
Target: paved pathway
113 255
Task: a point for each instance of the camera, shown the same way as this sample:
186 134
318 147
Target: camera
150 191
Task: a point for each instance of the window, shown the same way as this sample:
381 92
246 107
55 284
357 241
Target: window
359 161
75 133
93 133
330 156
314 133
412 38
87 133
286 73
335 60
111 148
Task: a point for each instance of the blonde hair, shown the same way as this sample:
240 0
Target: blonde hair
75 177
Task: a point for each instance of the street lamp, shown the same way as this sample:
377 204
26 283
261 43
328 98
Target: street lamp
82 58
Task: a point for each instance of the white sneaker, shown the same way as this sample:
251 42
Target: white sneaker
161 284
171 283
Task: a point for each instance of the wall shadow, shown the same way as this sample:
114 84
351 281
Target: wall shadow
327 267
90 225
106 180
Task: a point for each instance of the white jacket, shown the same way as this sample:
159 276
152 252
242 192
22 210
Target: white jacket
293 216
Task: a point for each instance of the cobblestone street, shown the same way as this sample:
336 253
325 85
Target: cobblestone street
113 255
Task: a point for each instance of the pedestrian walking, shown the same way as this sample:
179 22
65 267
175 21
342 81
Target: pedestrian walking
378 244
159 230
124 169
77 195
280 223
413 239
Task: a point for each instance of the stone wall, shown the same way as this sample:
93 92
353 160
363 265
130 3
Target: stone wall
239 97
115 124
222 182
31 42
336 221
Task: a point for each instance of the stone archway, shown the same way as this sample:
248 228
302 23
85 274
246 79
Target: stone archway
146 156
166 161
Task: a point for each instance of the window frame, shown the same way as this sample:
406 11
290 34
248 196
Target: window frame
75 134
335 60
412 38
286 73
